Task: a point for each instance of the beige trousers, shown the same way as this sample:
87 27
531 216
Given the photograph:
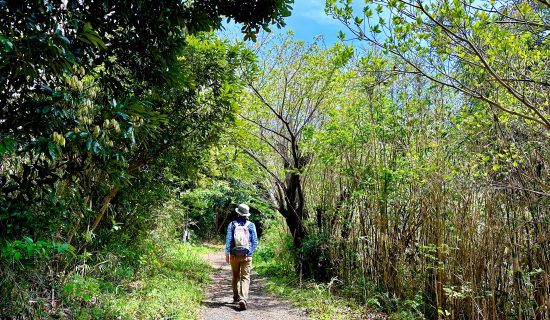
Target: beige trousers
241 277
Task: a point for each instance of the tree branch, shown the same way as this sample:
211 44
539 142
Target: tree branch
493 73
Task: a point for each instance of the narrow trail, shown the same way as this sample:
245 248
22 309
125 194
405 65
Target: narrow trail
218 304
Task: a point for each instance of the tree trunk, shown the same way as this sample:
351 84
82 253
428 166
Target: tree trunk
105 204
291 206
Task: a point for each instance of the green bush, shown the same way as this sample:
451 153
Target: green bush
276 255
172 289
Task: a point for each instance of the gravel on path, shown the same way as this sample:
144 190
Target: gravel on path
261 305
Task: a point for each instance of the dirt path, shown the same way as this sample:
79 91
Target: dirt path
218 304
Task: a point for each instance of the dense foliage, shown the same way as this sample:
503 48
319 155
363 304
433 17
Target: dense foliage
411 176
107 108
419 168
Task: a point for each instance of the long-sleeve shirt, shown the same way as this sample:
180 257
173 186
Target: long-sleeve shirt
229 244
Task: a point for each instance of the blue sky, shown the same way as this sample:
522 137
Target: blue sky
309 20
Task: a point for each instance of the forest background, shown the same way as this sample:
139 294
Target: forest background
411 173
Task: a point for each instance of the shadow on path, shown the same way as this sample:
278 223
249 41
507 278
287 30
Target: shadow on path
219 302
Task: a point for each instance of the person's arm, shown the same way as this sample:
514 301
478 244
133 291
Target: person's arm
228 240
253 238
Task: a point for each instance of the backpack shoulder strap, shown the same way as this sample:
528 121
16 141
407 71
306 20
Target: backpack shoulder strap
246 224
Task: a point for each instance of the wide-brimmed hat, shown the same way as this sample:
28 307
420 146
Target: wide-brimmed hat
243 210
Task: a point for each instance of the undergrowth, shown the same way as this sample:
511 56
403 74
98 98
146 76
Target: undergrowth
169 288
275 260
153 276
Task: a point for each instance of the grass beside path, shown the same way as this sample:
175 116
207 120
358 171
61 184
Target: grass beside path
170 287
315 298
275 261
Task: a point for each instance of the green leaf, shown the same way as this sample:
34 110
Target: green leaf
7 145
92 37
397 20
341 35
62 247
132 136
8 45
97 147
30 249
51 150
89 144
123 115
368 12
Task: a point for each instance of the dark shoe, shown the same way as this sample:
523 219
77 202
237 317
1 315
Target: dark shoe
242 305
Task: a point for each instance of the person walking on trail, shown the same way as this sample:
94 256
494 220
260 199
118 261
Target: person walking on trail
241 241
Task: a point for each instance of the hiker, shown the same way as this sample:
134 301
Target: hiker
241 241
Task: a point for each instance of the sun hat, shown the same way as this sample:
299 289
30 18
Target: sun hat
243 210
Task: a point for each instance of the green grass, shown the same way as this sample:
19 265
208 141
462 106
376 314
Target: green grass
275 261
315 299
208 248
169 287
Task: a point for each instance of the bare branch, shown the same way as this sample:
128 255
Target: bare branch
264 127
493 73
261 164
